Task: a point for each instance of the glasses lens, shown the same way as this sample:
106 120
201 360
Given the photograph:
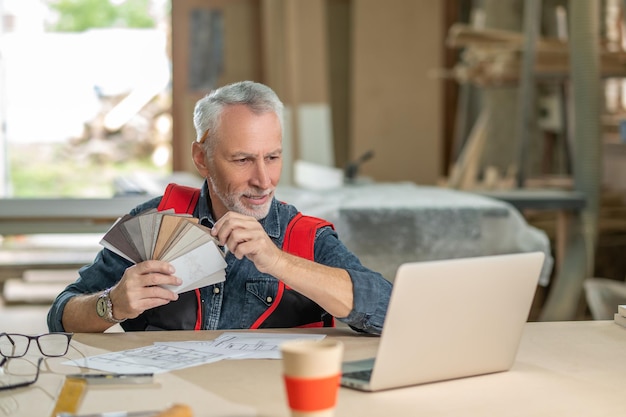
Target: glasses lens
13 345
53 344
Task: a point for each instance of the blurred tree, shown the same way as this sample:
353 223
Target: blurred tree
80 15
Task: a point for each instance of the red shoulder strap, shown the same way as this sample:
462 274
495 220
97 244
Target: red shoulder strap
181 198
300 241
300 235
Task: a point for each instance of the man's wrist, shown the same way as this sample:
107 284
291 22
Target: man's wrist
104 307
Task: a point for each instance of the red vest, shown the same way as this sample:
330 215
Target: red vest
290 308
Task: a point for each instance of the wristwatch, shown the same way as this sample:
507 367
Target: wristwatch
104 307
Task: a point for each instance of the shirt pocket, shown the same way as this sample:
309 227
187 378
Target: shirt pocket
260 295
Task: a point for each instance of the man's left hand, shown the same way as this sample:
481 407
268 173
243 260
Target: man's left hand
244 236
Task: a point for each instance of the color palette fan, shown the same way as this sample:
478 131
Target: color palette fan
176 238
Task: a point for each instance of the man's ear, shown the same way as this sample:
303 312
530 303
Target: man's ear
199 159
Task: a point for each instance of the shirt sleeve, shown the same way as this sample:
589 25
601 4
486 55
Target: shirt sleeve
371 291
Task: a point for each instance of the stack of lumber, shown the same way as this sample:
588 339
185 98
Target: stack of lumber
494 57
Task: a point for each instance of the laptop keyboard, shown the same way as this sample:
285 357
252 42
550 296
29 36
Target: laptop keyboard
364 375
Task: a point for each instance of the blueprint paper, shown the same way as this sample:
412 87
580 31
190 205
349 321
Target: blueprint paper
168 356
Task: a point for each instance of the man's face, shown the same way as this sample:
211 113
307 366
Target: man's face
246 163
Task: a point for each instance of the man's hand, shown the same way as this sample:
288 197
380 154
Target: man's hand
329 287
140 289
244 236
137 291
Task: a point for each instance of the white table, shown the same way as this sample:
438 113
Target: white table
562 369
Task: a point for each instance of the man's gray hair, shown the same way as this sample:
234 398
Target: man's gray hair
207 114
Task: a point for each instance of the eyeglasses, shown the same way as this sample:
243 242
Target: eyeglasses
15 345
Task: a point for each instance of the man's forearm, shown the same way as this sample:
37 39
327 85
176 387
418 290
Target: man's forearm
79 315
329 287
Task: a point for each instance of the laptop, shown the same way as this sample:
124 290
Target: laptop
450 319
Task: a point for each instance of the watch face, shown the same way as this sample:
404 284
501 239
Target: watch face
101 307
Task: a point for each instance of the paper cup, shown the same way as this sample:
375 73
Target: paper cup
311 372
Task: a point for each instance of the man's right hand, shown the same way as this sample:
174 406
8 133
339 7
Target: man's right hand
140 289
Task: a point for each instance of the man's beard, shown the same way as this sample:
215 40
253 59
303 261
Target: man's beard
233 203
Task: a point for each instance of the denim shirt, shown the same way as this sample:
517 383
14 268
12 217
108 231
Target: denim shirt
246 293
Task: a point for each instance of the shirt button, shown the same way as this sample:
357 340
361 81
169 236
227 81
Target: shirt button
216 290
269 299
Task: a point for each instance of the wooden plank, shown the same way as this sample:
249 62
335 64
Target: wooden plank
463 35
465 170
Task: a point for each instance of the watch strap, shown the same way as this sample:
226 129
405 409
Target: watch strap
109 308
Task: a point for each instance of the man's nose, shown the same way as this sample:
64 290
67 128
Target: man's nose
262 177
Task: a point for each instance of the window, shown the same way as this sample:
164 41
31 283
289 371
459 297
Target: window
84 96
